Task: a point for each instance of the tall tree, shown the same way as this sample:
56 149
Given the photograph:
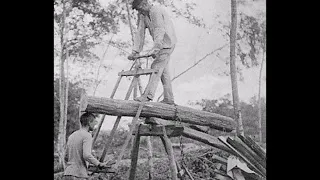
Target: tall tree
80 26
259 93
233 72
61 135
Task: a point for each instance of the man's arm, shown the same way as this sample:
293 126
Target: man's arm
139 35
159 28
87 141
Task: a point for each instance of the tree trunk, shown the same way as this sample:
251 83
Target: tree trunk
233 71
66 102
61 137
259 98
118 107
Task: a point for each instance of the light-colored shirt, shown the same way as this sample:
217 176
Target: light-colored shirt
160 28
79 154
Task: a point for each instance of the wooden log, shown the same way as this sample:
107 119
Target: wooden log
245 153
134 156
118 107
156 130
197 135
251 152
254 146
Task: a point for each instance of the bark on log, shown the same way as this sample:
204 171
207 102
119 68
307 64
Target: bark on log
118 107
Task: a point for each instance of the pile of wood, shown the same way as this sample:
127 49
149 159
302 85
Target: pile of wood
211 163
249 151
160 118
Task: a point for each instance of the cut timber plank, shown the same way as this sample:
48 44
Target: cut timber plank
251 152
118 107
95 169
137 72
254 146
238 154
246 154
156 130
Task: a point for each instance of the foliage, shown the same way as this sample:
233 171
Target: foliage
73 108
85 24
251 33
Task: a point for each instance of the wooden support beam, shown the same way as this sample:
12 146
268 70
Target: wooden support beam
156 130
179 169
118 107
196 135
172 161
137 72
134 155
205 138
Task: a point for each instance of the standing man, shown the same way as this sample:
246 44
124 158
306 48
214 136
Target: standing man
78 153
162 31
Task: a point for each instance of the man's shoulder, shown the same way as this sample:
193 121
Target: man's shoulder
80 133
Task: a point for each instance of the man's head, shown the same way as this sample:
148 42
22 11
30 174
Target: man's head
88 120
142 6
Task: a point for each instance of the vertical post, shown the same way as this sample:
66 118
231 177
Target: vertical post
134 155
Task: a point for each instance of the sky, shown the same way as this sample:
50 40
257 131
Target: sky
204 81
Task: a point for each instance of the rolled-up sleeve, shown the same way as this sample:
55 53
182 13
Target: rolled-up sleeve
159 28
140 34
87 141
